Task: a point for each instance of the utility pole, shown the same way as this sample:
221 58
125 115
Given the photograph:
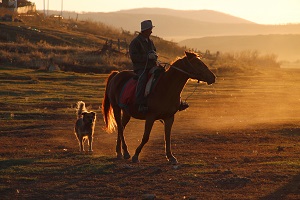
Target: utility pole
62 4
48 9
44 9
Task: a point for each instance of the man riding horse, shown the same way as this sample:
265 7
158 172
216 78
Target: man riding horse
143 55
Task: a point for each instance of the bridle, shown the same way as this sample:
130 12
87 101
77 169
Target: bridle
185 72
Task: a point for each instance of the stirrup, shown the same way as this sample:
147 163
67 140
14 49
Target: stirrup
143 108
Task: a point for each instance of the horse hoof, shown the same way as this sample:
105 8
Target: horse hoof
135 159
119 157
126 156
173 161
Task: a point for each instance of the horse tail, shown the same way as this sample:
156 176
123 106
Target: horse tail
107 110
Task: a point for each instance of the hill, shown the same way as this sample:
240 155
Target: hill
178 25
199 15
286 47
33 41
87 46
214 31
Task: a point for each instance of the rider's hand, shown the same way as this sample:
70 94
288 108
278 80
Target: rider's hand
152 56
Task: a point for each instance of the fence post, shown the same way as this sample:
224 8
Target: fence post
119 48
126 46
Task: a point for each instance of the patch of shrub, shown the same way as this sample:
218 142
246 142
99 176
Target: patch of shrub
241 62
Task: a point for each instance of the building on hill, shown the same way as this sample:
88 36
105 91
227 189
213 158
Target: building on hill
18 6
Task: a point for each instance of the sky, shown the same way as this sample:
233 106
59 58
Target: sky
258 11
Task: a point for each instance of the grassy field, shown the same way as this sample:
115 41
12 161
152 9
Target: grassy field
240 139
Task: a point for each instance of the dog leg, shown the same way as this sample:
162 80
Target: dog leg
90 141
81 149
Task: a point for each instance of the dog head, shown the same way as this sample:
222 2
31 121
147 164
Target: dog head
89 117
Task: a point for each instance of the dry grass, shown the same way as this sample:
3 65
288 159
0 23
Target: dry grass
75 46
227 142
36 40
238 140
242 62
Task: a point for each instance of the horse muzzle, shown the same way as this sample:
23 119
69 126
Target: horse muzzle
210 82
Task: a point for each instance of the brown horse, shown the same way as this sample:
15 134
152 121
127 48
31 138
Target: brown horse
163 101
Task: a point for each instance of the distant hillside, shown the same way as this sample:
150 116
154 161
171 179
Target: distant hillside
199 15
287 47
178 25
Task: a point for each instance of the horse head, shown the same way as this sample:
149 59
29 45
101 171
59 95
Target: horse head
197 69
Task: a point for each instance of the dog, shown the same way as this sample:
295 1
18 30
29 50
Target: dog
84 126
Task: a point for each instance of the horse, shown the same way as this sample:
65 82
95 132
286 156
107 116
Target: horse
163 102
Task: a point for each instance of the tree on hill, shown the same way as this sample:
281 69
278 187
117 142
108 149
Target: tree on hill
11 3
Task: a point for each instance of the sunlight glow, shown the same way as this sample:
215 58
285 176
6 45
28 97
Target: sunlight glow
258 11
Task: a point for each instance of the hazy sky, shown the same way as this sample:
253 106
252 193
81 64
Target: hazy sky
258 11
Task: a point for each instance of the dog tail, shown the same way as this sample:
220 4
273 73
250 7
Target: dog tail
107 111
80 109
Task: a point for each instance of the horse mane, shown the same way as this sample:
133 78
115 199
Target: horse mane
189 54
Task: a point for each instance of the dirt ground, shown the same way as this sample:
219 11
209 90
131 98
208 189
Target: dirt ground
240 139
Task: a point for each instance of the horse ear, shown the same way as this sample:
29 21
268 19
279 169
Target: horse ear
190 54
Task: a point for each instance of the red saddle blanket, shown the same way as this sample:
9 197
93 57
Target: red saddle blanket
127 96
128 93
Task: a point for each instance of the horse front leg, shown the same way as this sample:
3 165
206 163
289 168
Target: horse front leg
148 126
168 126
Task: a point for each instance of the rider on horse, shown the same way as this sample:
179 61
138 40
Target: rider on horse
143 55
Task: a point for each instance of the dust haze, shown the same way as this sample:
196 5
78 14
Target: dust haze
243 102
234 103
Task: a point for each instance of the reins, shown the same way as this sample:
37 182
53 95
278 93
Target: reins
173 66
187 73
196 86
182 71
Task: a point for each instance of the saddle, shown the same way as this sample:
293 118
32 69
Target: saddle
127 96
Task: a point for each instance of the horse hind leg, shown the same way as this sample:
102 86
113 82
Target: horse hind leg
121 123
125 120
118 148
117 115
